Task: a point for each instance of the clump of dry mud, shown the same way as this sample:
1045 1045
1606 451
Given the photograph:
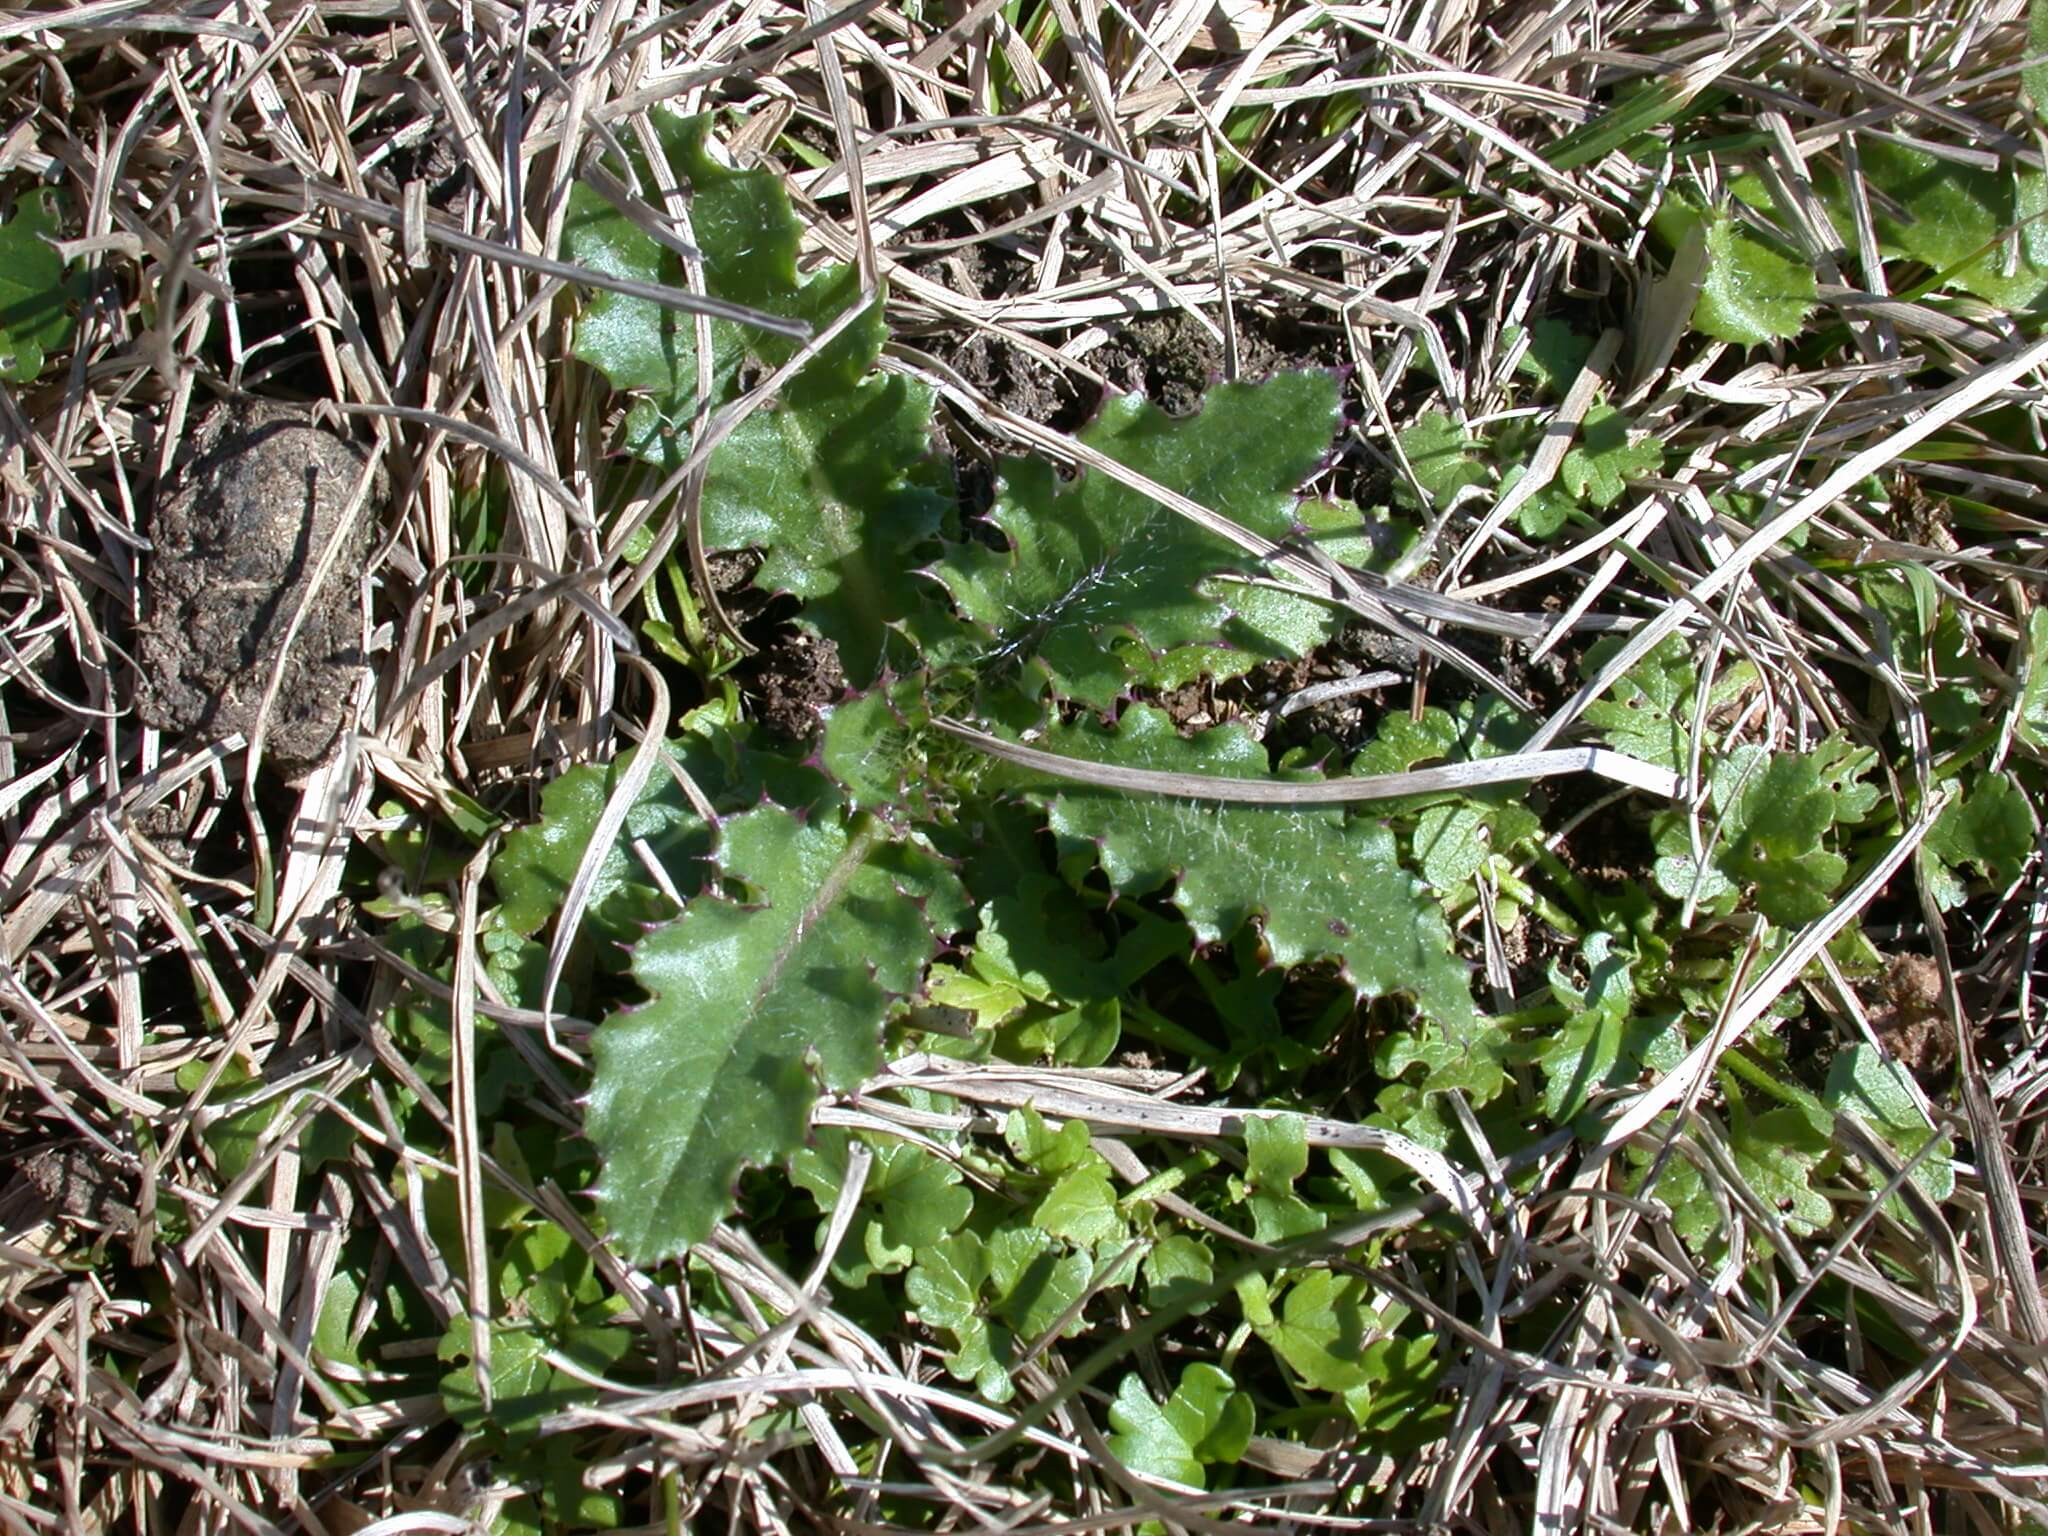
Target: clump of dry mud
237 535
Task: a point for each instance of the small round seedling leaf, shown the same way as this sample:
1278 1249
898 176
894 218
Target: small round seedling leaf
35 296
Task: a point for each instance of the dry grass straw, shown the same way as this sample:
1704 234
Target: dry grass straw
255 194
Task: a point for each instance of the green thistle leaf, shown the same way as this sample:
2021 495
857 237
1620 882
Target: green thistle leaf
1752 294
1320 884
833 481
751 1006
1093 568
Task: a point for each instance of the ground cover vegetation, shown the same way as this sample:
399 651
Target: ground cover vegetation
1028 765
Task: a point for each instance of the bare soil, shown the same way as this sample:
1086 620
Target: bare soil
791 679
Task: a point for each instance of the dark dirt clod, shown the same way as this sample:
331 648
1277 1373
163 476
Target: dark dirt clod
1173 361
1910 1017
732 572
237 532
1016 382
70 1181
793 678
1169 358
436 161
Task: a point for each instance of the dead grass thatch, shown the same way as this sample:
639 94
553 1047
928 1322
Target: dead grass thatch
360 202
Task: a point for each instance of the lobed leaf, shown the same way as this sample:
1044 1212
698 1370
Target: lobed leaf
910 1200
1177 1270
1604 1045
1648 712
1863 1083
1752 293
1321 1329
1091 563
1992 826
1205 1421
1599 466
833 479
1320 884
991 1293
1442 456
1779 1153
1777 814
1555 355
526 1386
750 1007
533 871
1276 1150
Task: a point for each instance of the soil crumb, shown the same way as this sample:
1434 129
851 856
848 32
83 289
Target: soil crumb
1910 1017
1173 361
70 1182
237 532
791 679
1170 359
